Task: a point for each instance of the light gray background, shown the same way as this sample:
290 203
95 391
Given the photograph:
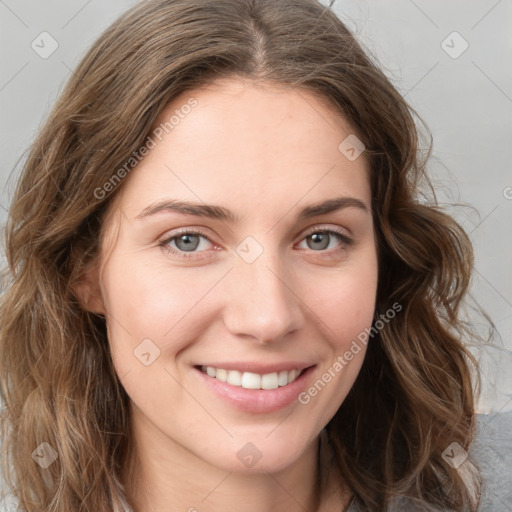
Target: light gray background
465 101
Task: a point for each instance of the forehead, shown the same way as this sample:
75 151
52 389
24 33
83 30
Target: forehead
248 146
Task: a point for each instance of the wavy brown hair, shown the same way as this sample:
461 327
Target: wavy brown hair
414 395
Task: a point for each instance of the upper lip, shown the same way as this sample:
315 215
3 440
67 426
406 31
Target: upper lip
261 368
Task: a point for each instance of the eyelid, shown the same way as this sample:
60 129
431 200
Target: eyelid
344 234
327 227
185 230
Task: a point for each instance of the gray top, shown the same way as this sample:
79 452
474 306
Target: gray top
491 452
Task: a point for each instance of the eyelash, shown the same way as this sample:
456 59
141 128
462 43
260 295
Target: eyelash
346 241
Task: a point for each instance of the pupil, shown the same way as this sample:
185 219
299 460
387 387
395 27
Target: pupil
320 237
188 243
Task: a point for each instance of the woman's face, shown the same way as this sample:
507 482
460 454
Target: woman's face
260 295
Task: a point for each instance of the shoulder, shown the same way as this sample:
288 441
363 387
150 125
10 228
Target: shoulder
491 454
8 503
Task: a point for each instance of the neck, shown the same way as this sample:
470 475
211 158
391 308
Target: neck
163 476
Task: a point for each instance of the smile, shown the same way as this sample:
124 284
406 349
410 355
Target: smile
250 380
254 387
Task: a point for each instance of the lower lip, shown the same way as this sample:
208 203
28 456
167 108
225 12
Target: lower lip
257 400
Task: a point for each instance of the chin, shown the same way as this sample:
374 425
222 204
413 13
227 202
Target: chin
261 453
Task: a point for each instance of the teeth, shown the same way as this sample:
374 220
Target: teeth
269 381
282 380
234 377
222 375
249 380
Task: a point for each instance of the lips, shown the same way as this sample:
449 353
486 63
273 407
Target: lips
255 399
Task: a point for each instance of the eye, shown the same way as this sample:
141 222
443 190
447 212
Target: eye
186 241
320 239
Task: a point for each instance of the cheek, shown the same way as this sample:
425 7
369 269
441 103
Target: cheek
153 313
349 310
150 300
343 300
345 312
343 304
147 300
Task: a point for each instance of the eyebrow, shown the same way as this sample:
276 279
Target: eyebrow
223 214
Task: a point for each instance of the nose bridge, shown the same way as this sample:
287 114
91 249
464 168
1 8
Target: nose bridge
261 302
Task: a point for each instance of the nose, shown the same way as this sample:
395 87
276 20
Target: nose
261 302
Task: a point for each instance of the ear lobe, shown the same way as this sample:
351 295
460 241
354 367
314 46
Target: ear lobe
88 292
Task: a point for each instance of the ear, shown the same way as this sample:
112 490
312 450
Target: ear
88 292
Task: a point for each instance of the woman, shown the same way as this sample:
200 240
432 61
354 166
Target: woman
171 336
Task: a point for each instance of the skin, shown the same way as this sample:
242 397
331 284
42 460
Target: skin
264 152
